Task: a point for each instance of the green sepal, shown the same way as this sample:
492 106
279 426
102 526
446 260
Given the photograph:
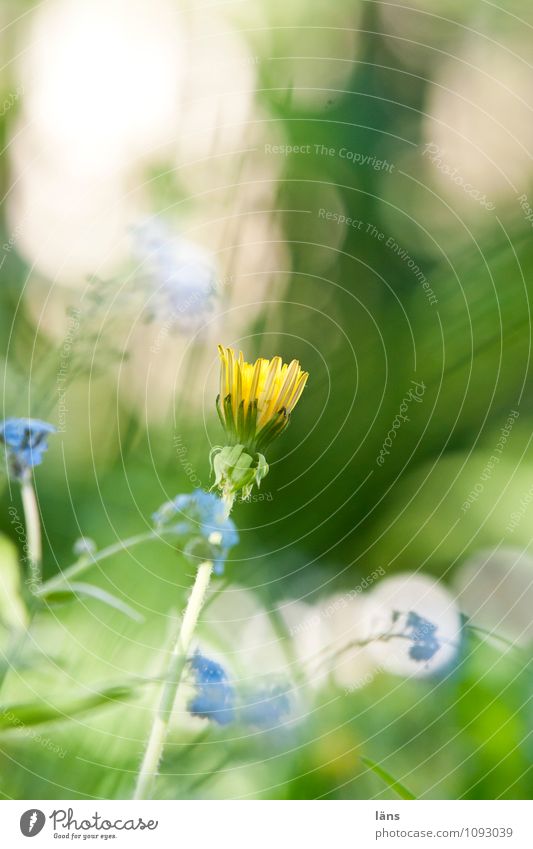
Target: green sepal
272 429
230 425
236 470
220 414
261 470
212 454
240 420
250 422
232 467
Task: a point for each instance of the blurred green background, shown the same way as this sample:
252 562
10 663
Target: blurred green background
255 130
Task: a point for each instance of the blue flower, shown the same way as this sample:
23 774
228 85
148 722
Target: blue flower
217 699
422 633
181 273
26 440
203 515
214 698
266 707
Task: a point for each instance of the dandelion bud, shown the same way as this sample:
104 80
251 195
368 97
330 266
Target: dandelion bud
254 406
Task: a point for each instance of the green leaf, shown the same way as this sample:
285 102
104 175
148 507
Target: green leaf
13 613
78 589
22 715
391 782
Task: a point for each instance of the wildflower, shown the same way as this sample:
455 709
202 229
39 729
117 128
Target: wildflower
217 699
413 625
421 632
254 405
214 697
25 440
201 515
266 707
181 272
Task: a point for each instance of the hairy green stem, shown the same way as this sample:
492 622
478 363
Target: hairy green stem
172 679
33 533
32 521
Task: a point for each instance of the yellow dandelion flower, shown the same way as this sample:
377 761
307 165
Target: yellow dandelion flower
256 399
254 405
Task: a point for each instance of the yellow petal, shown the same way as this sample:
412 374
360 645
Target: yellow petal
273 384
300 386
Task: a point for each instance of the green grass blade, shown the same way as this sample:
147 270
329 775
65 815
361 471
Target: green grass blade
391 782
37 713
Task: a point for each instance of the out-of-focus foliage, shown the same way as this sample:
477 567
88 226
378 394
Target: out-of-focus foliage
359 175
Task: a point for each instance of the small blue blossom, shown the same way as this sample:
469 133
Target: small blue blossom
203 515
266 707
217 699
214 698
422 633
181 273
25 440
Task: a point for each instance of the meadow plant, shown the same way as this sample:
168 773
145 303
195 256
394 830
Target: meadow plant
25 441
255 404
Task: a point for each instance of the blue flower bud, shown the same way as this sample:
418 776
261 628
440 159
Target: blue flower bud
25 440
